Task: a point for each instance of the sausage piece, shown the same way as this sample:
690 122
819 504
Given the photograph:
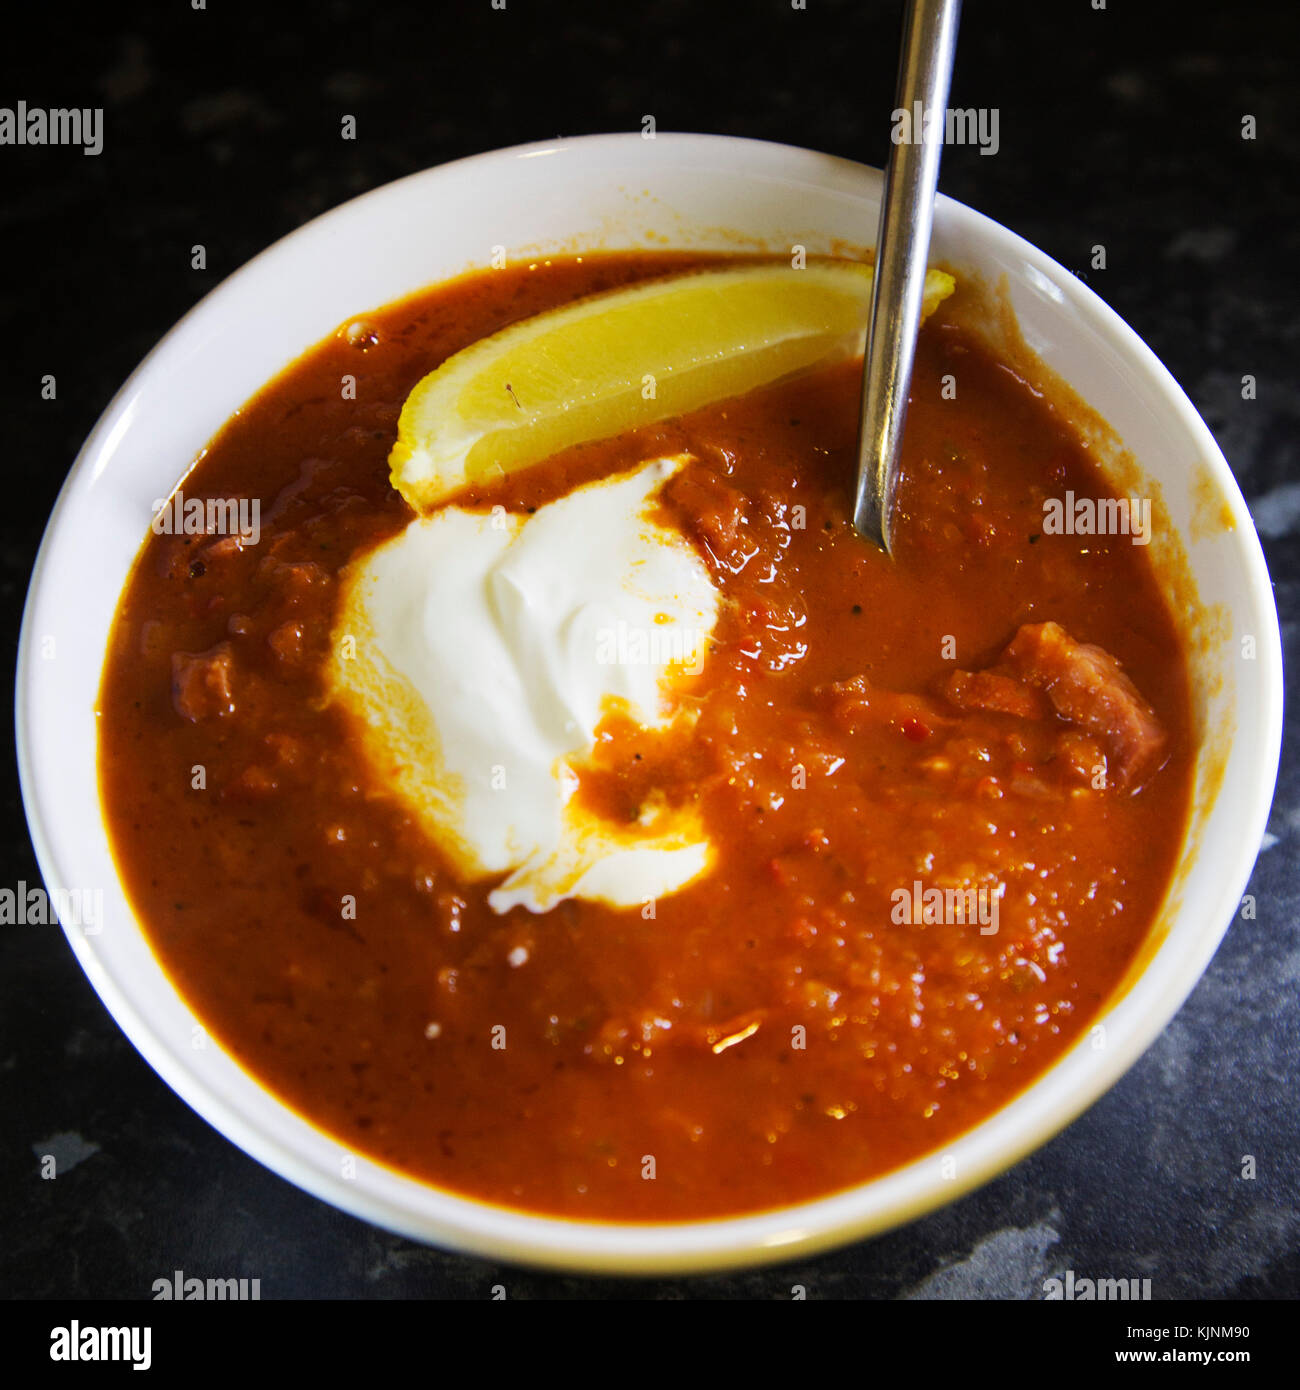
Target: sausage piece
995 693
1088 687
201 686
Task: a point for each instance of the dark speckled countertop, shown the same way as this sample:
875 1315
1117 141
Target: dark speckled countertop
1120 126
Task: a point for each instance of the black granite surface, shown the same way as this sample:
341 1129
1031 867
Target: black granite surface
1121 126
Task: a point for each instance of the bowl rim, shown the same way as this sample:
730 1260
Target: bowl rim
1001 1139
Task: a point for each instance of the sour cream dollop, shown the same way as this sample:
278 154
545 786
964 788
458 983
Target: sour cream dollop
481 651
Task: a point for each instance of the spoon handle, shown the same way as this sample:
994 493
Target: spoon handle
902 245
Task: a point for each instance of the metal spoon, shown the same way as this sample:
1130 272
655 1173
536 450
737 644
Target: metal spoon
902 244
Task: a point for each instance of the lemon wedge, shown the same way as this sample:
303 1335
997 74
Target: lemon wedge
613 361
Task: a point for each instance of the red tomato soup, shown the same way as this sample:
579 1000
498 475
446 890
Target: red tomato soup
945 793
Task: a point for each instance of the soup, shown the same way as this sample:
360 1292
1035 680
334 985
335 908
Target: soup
943 793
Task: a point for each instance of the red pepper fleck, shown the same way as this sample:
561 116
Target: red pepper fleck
915 730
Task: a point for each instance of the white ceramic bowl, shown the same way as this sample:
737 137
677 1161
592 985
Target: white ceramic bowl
621 191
